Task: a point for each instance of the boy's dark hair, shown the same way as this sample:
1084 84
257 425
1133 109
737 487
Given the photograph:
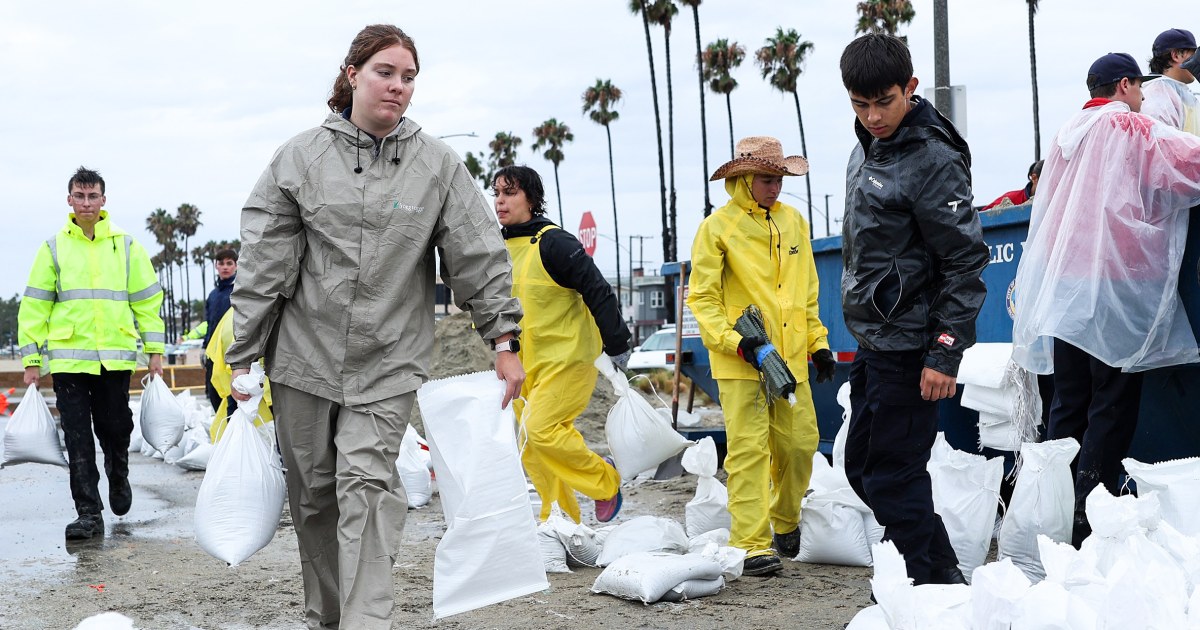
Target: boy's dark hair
875 62
226 254
1036 168
528 181
1160 62
1102 91
85 177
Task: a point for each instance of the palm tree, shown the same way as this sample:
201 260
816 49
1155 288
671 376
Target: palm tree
884 16
782 62
187 220
598 103
717 63
1037 128
475 166
638 7
553 135
504 153
695 5
662 13
200 257
162 225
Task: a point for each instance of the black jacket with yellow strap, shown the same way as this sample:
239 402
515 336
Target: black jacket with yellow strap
571 268
912 245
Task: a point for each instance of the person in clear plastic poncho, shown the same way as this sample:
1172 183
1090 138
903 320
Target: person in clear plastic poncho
1097 300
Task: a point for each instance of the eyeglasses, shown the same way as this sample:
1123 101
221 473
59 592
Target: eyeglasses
80 197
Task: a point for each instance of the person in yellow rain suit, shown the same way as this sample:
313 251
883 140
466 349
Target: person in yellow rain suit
756 250
222 379
570 311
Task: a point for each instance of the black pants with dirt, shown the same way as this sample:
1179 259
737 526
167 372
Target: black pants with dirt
90 403
891 433
1096 404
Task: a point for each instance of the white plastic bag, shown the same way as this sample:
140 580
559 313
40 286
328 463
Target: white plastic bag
709 509
995 590
832 531
691 589
647 576
31 435
489 552
924 607
1043 502
1177 483
638 436
135 438
162 418
554 556
644 533
839 440
413 464
241 498
966 493
731 559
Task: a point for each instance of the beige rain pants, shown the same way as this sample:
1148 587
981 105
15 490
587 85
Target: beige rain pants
348 505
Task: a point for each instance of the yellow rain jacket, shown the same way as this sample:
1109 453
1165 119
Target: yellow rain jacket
222 378
746 255
88 301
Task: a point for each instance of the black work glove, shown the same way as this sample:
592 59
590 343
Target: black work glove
825 363
747 347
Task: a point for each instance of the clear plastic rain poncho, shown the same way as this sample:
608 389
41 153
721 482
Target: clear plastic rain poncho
1171 102
1100 269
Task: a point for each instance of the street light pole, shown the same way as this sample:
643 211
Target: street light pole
469 134
827 233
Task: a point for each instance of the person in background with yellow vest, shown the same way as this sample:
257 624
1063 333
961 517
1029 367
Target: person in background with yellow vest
91 293
756 250
570 313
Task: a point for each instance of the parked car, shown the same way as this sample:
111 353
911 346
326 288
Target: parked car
652 354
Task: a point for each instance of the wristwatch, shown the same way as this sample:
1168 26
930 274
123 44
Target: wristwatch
512 345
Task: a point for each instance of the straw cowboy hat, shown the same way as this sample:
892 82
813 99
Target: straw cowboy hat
761 155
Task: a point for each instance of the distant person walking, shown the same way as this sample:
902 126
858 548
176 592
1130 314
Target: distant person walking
570 314
336 290
91 294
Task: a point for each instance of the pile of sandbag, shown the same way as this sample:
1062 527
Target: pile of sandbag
1136 570
995 391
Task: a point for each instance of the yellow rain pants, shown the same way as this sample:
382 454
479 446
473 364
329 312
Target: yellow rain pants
769 461
559 342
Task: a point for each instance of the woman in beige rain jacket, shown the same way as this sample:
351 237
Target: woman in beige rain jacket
335 289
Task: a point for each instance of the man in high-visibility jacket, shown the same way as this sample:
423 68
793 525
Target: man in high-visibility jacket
91 294
756 250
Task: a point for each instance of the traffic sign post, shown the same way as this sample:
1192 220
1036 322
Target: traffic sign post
587 233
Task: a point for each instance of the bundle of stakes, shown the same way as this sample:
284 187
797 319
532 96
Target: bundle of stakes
773 373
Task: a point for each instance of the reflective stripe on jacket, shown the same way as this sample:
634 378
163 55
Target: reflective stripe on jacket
558 328
336 272
88 301
742 255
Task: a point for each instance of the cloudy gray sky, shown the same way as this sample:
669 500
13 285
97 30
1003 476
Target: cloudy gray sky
178 102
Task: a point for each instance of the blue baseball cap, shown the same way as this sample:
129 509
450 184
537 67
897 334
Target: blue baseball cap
1112 68
1172 39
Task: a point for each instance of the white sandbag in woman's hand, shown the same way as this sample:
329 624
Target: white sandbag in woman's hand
31 435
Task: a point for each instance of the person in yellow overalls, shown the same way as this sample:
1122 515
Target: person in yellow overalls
222 379
570 312
756 250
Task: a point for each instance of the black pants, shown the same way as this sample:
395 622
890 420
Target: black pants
887 448
211 392
1097 405
90 403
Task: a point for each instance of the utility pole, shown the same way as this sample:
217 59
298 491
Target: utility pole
632 287
827 232
941 59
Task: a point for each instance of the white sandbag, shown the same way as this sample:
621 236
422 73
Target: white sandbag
1194 611
638 436
489 552
709 509
1049 606
135 438
692 589
647 576
1184 549
984 364
924 607
993 400
874 530
554 556
1043 502
31 435
998 432
698 543
162 418
832 530
413 465
1177 483
731 559
995 590
839 440
577 540
106 621
241 498
197 458
644 533
966 493
869 618
172 455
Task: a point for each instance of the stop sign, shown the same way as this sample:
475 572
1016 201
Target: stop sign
587 233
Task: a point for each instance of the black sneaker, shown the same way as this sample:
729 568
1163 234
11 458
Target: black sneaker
947 575
788 545
120 496
762 565
85 527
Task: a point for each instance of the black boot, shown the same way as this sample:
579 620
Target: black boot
120 495
788 545
946 575
85 527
